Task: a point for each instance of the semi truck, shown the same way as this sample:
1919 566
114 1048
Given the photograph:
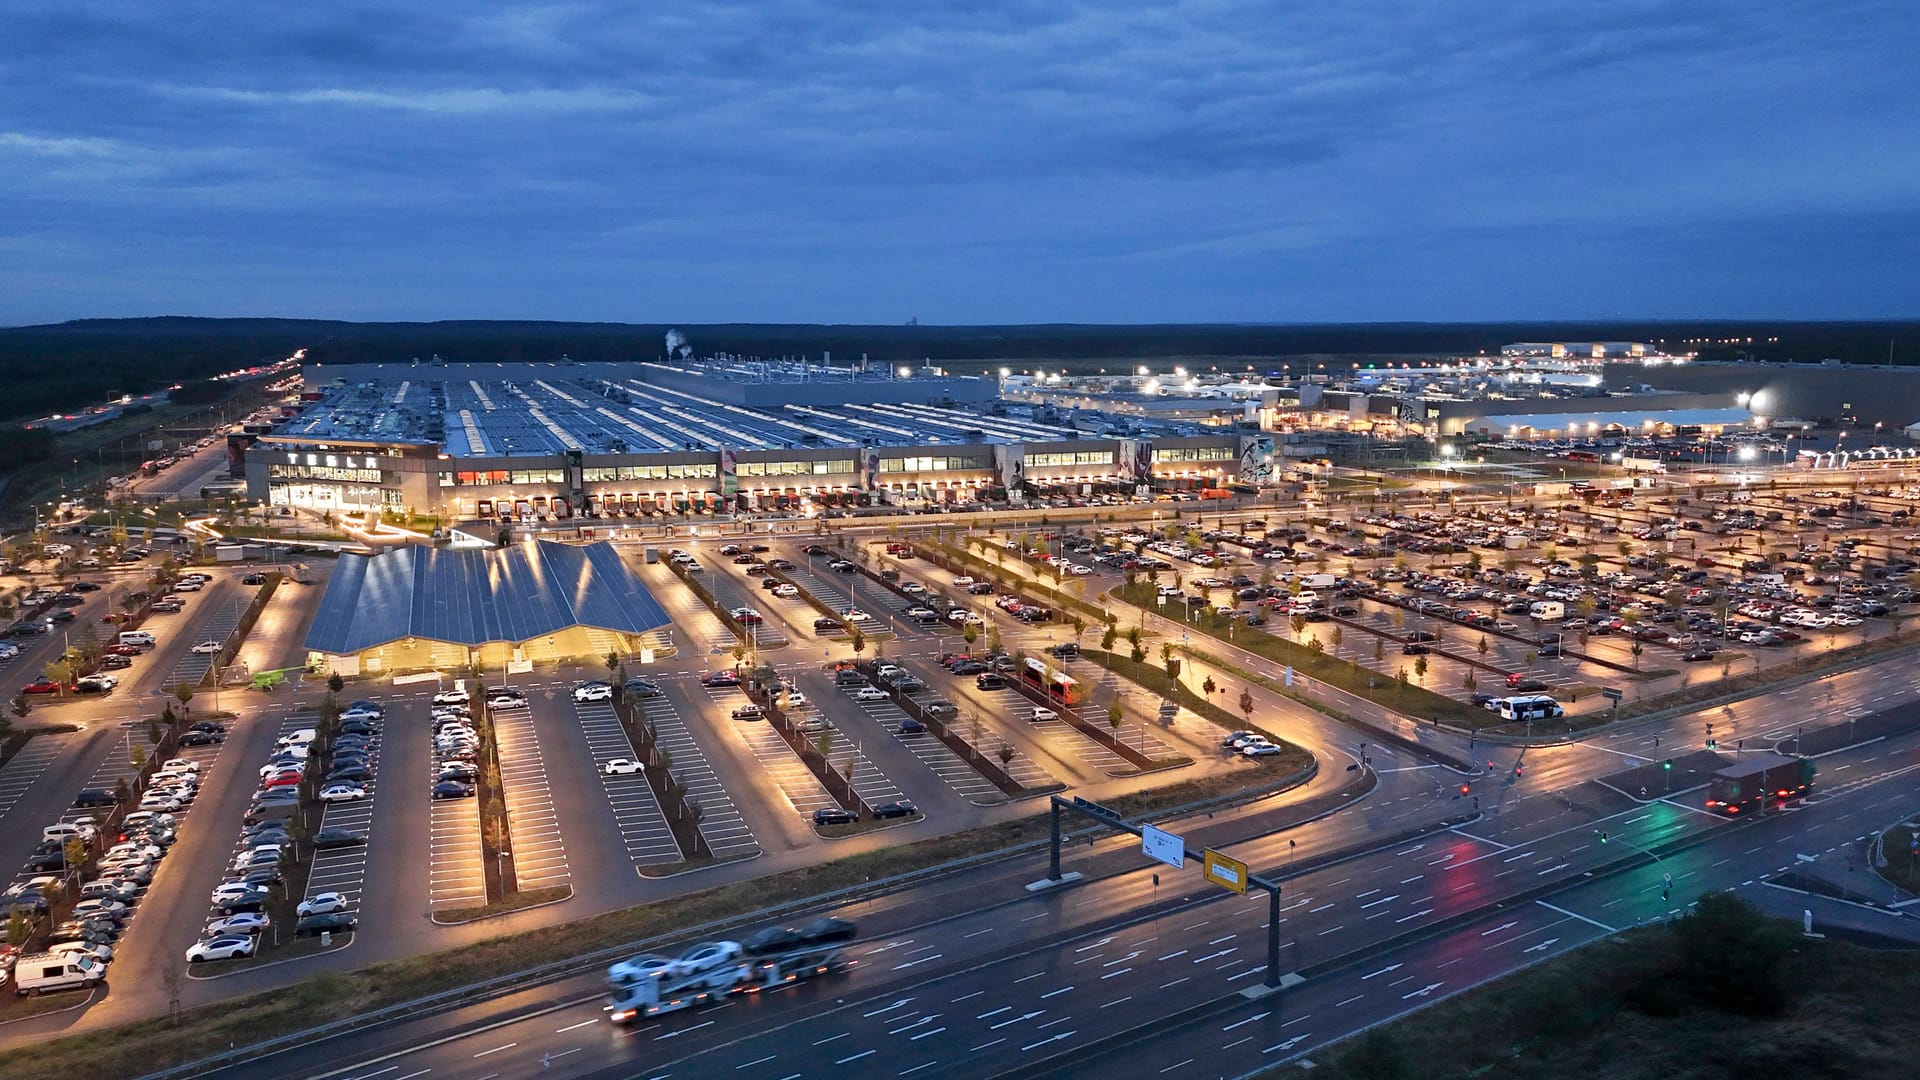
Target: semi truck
646 986
1746 786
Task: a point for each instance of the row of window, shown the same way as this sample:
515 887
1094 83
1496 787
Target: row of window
795 468
1072 457
601 474
1195 453
934 464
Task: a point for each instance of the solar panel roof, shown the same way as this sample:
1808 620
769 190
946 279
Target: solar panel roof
474 596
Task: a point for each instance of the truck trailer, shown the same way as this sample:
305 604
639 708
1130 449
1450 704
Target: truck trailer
1746 786
651 985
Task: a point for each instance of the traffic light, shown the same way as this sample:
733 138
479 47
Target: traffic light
1601 834
1464 788
1667 764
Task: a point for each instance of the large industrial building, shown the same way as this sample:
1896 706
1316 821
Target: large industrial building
533 441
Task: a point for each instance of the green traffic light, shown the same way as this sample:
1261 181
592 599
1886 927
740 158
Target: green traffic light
1667 764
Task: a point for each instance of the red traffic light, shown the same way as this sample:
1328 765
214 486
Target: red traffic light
1464 788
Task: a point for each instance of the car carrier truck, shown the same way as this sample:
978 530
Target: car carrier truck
650 985
1746 786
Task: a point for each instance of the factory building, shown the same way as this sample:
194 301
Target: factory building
529 442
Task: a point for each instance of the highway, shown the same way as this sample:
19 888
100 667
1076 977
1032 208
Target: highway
977 974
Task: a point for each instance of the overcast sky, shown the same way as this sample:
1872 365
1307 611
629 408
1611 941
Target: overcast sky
960 162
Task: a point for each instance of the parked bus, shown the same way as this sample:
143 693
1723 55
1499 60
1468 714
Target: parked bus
1582 455
1059 686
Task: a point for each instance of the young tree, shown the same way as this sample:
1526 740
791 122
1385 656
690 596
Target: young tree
1482 645
1114 717
1005 754
1246 704
184 692
1420 667
859 642
970 634
1379 648
1209 686
1107 638
335 683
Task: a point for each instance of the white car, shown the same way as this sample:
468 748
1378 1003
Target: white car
812 724
593 691
452 697
870 693
325 903
795 699
622 767
160 800
1044 714
1259 749
856 615
208 646
706 957
102 953
180 764
342 793
921 613
785 591
912 588
1078 570
251 922
225 947
234 890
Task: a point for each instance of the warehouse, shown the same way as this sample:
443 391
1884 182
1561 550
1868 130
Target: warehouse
533 442
425 608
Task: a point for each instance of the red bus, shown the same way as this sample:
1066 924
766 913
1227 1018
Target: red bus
1058 685
1582 455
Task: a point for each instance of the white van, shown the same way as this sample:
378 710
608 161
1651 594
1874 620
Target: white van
138 638
297 738
42 972
1547 609
1530 707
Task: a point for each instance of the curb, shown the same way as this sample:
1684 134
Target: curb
577 965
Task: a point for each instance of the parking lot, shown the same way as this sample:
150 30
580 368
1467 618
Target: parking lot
784 767
721 824
636 811
456 877
963 778
539 852
27 765
219 623
344 870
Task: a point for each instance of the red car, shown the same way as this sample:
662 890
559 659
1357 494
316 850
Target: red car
116 617
122 650
44 686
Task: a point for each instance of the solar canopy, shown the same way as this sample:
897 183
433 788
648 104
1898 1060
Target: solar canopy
475 596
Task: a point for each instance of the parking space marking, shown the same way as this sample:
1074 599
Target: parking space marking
455 876
26 766
344 870
721 824
1013 704
869 782
193 667
802 789
539 854
636 812
925 745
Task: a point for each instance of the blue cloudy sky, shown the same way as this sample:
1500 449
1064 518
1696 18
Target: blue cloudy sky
960 162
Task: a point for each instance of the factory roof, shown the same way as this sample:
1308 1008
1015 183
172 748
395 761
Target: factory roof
474 596
547 411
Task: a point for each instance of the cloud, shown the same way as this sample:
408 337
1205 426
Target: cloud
1058 159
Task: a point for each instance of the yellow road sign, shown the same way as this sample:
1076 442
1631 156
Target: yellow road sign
1226 871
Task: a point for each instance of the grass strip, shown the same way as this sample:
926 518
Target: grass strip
1392 693
149 1045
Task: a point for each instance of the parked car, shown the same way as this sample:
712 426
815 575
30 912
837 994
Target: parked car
833 815
622 767
901 808
224 947
337 838
593 691
337 922
452 789
325 903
